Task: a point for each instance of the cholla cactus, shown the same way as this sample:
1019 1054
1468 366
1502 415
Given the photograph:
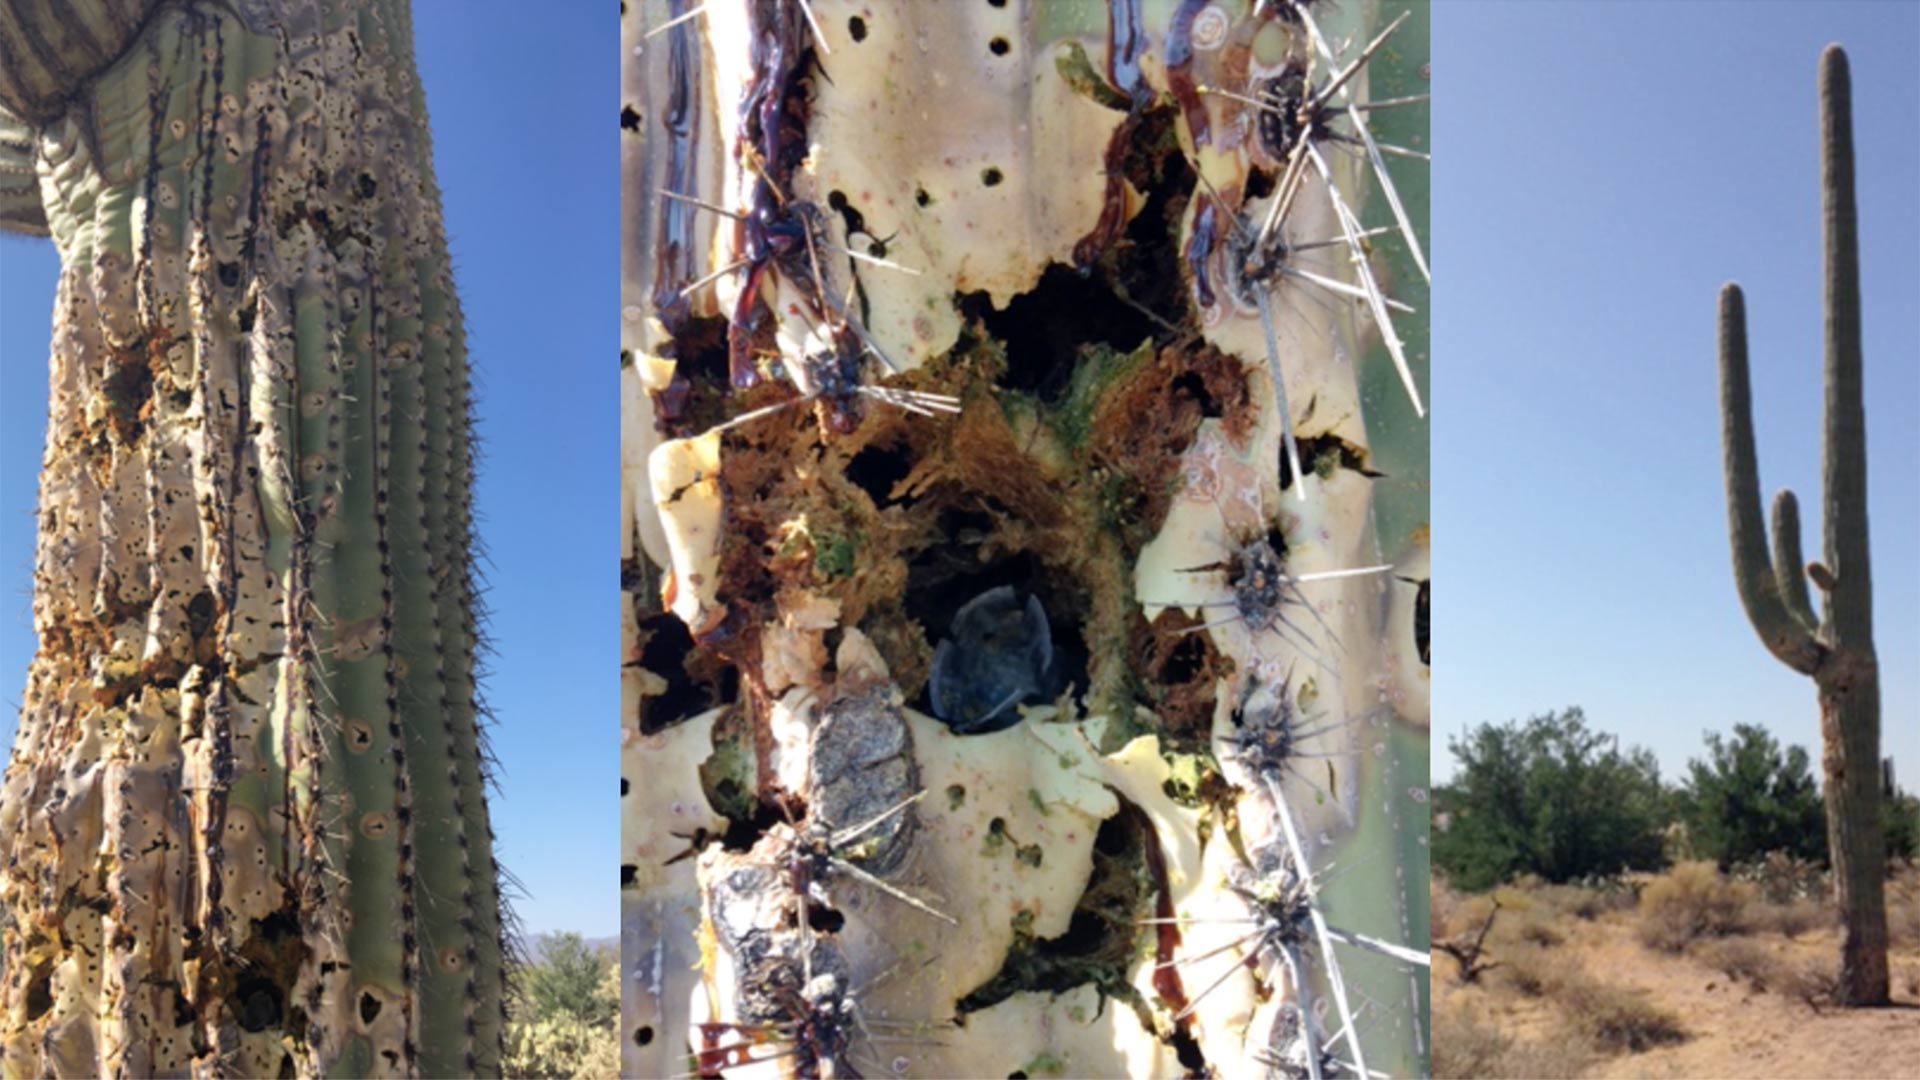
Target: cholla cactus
243 828
993 435
1835 650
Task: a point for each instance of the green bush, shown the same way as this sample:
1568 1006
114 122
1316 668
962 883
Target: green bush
1748 798
563 1025
1548 797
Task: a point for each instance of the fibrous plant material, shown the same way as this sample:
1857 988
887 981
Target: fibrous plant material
243 830
1002 560
1834 649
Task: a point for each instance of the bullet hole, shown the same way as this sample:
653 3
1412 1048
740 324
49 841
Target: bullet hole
358 736
877 470
369 1007
1016 1074
374 826
1045 328
452 960
921 198
998 46
629 118
286 1068
365 186
856 221
857 28
956 796
623 787
823 919
1193 386
1323 454
665 653
629 875
40 994
1423 622
1188 1051
1259 184
942 579
997 3
643 1035
255 1004
229 274
991 176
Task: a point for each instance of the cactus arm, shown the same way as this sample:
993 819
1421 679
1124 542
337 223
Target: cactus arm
1753 571
1844 444
20 209
1789 570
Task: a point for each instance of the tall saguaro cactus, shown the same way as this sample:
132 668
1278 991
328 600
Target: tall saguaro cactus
1836 650
243 829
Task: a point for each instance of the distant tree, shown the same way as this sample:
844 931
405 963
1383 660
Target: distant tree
1748 797
1548 797
1900 819
567 978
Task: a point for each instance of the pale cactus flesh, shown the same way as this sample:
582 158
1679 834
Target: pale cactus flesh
243 829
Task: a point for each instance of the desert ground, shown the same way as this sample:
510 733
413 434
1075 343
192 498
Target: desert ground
1685 974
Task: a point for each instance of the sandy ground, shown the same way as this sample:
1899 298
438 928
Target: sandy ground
1734 1030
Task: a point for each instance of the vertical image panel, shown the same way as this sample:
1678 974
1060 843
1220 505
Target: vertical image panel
1673 832
1024 540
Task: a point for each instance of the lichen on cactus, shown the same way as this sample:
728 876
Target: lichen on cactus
994 433
1835 649
243 829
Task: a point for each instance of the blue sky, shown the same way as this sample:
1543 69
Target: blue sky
1603 169
525 147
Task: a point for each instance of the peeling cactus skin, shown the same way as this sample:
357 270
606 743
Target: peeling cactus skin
243 829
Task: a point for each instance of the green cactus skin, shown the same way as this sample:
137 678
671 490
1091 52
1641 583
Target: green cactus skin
243 829
1836 651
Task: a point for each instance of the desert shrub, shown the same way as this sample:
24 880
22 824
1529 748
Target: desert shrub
1744 958
562 1025
1690 902
1581 902
1465 1045
1782 877
1548 797
1791 919
1812 982
1618 1019
1900 820
1531 970
1903 911
1748 797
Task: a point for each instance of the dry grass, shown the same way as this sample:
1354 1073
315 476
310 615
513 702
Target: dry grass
1690 902
1530 970
1465 1045
1793 918
1744 958
1617 1020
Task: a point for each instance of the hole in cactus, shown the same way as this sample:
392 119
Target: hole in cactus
369 1007
998 46
643 1035
629 874
857 28
1016 1075
229 274
667 651
1045 328
623 787
1323 454
629 118
823 919
991 176
1188 1051
943 578
40 993
1195 387
1259 184
921 198
876 470
997 3
255 1004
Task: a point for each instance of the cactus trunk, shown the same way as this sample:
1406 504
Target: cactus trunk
1835 650
243 827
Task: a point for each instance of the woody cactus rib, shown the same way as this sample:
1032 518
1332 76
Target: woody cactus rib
243 828
1835 650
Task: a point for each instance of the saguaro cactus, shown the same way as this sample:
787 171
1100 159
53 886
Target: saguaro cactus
1835 650
243 829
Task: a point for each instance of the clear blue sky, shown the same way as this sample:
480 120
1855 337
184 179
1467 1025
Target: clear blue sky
525 147
1604 169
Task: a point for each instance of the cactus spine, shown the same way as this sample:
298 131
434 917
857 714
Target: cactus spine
1835 650
243 829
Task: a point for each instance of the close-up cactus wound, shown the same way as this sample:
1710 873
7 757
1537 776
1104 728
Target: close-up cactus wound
1008 611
